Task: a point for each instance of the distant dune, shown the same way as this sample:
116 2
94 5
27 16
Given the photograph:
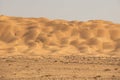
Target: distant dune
41 36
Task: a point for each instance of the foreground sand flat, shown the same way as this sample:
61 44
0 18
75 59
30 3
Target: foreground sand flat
62 68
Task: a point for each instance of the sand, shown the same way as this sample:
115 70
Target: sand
62 68
42 36
45 49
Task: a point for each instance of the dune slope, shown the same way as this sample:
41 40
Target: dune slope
41 36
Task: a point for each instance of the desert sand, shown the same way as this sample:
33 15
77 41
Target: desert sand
46 49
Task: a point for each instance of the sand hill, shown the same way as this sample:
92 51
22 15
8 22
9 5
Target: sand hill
41 36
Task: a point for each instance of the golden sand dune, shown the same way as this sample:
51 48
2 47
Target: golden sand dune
41 36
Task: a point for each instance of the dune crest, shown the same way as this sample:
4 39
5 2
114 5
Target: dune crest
42 36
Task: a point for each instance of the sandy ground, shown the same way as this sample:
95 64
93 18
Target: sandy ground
44 49
39 36
62 68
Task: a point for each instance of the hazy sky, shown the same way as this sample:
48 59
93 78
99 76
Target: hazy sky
63 9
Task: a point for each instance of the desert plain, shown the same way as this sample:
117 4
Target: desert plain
45 49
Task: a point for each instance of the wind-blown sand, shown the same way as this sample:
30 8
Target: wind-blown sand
41 36
44 49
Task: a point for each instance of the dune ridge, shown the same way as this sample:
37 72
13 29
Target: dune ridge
42 36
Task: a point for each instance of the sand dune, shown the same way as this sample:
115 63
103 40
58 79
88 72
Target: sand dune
42 36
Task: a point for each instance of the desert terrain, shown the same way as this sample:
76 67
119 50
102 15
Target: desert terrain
45 49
